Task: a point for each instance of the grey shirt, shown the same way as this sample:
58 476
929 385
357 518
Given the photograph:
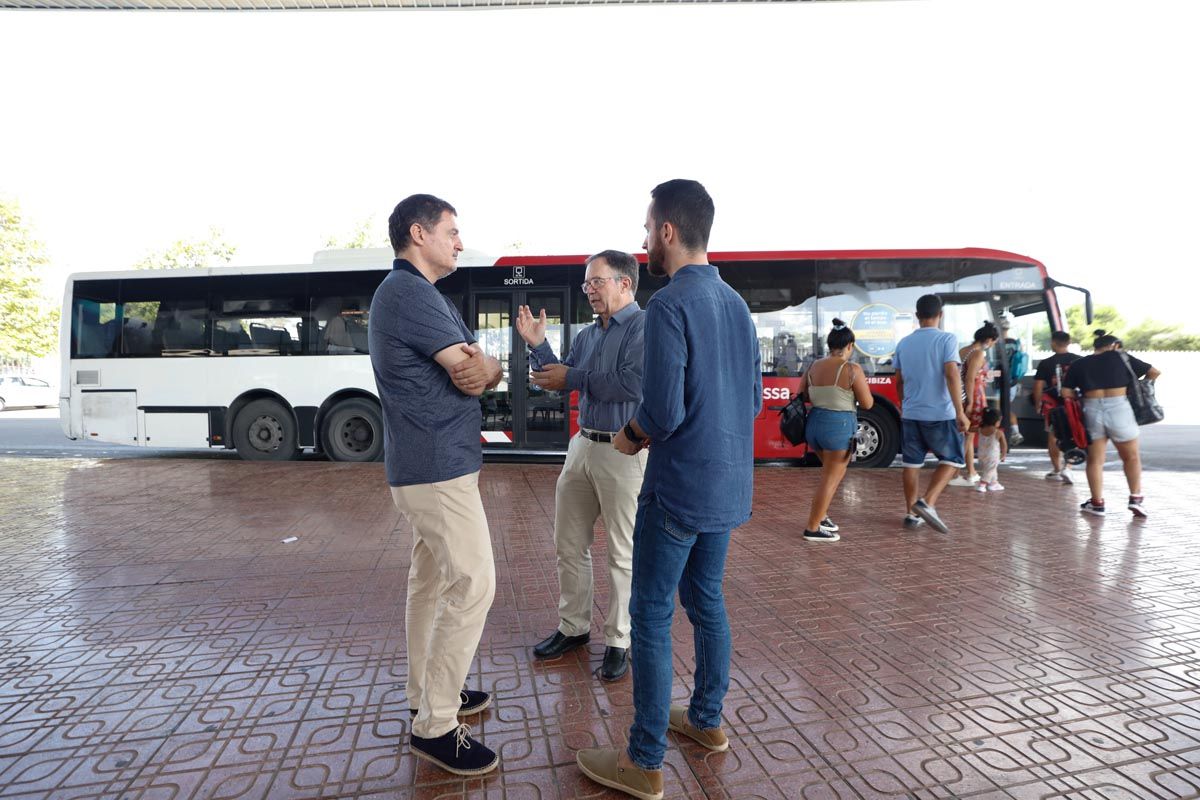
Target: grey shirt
431 429
605 367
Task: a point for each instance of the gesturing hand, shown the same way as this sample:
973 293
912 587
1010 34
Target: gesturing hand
551 376
531 329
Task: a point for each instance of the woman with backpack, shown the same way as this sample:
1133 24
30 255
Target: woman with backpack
836 387
1103 380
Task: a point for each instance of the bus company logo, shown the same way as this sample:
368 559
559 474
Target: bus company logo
518 278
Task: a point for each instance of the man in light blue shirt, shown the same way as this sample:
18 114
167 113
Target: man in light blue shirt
929 385
605 367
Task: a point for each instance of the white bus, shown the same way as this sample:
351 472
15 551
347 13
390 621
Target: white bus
271 361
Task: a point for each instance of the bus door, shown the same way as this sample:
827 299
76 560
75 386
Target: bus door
518 415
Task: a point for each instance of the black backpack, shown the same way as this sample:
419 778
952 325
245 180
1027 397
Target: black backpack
793 419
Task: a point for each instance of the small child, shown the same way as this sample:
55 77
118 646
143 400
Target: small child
992 449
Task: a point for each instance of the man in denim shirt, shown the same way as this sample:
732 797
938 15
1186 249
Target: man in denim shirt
605 367
702 389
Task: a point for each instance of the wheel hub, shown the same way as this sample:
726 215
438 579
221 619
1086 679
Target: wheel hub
868 441
356 435
266 434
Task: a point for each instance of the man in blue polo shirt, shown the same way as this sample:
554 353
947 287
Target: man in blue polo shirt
430 374
701 390
929 385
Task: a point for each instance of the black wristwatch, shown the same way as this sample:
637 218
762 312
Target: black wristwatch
631 436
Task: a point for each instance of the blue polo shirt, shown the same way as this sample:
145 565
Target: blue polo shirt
921 358
701 390
431 429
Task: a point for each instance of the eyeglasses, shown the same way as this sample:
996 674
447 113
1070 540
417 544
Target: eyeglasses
595 283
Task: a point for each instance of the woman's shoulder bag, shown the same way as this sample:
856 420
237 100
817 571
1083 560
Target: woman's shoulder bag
1146 409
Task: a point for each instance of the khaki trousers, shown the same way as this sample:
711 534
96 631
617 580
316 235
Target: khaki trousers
451 584
596 481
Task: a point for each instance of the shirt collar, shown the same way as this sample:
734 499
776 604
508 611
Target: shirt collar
700 270
622 316
407 266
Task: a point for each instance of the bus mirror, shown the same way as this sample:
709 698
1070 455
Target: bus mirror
1087 296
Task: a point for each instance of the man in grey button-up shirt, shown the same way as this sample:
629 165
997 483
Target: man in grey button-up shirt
605 367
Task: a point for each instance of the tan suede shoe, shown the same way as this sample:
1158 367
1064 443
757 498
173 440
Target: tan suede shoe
614 769
712 738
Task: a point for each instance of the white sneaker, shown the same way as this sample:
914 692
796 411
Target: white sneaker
959 480
995 486
1053 475
1066 477
981 487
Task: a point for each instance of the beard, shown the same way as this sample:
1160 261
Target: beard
654 260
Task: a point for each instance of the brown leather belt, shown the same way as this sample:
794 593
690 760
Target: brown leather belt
596 436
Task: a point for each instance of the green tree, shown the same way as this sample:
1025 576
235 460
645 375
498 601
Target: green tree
208 251
1150 334
1106 317
29 326
1041 337
363 235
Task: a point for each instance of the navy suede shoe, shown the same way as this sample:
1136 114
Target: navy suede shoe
456 752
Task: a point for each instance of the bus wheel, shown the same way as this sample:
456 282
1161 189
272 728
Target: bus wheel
265 431
878 439
353 431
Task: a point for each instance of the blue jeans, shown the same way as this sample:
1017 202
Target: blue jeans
667 555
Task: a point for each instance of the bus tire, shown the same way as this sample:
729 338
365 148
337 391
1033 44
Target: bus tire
879 438
353 431
265 431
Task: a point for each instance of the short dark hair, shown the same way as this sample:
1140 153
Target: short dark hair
1060 337
990 416
1104 339
987 331
686 205
928 306
420 209
625 265
840 336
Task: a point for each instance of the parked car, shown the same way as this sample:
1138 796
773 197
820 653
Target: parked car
25 390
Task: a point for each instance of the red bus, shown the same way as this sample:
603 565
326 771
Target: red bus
149 356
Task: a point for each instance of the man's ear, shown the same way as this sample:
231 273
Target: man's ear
416 233
668 233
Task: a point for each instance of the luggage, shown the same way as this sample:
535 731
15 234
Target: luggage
1066 423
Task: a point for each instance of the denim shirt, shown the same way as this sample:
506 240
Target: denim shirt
605 367
701 392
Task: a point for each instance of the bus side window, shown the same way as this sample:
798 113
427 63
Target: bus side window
94 334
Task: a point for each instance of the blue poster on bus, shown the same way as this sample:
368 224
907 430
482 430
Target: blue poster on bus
874 328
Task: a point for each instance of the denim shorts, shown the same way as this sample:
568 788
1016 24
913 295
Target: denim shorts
830 430
941 438
1110 418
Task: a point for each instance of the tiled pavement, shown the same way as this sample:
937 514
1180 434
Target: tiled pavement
158 641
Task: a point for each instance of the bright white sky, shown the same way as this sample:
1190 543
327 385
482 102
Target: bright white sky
1064 130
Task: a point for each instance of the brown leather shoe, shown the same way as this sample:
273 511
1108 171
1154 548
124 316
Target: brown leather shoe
614 769
712 738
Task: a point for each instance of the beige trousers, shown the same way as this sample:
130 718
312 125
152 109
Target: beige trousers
596 481
451 584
